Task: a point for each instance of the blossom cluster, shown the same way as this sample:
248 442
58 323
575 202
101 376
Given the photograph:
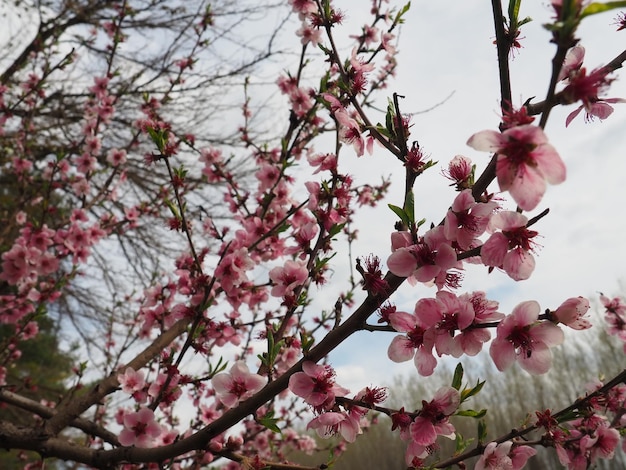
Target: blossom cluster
226 329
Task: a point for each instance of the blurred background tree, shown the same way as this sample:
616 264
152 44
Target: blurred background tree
75 79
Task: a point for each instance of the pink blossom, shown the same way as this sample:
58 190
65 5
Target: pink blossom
303 7
460 170
601 444
571 313
140 429
316 384
131 380
433 418
116 157
419 340
525 161
523 337
510 249
457 314
350 132
309 34
323 162
586 87
423 261
287 278
615 316
331 423
237 385
504 456
467 219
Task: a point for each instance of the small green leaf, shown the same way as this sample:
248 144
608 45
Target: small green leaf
482 431
400 213
472 413
398 19
219 367
514 6
172 207
466 393
461 444
409 207
383 130
270 422
307 342
570 415
597 7
458 377
335 229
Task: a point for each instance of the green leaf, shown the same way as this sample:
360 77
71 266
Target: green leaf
461 444
570 415
389 119
219 367
458 377
398 19
482 431
597 7
335 229
409 207
466 393
172 207
383 130
400 213
270 422
471 413
307 342
514 6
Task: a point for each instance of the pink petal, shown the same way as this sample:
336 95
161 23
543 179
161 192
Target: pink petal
426 273
526 313
402 321
425 362
601 110
506 220
401 349
548 333
502 353
402 262
494 250
538 362
506 171
527 188
519 264
572 115
573 60
550 164
423 432
487 141
445 257
428 310
400 240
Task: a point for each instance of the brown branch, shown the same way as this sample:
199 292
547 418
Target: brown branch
89 427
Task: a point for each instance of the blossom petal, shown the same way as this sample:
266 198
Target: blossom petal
538 361
502 353
487 141
527 188
548 333
402 262
401 349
